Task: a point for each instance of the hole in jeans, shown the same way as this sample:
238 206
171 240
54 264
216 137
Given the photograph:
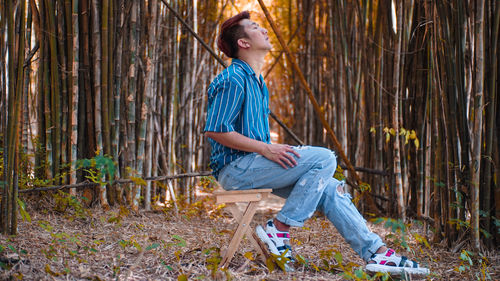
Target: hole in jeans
340 189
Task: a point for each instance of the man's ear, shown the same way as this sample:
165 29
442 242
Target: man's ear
242 43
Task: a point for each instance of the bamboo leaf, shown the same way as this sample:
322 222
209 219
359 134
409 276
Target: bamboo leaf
22 209
249 255
152 246
181 243
413 135
138 181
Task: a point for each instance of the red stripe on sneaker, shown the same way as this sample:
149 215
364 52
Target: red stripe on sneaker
389 252
282 235
270 235
383 262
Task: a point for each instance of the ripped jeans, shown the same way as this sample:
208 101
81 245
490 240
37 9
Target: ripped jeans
308 187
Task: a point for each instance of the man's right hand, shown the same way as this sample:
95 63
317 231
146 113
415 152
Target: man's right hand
282 154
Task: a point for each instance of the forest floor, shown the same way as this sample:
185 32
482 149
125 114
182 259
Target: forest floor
65 241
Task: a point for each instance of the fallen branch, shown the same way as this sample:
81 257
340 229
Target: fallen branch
87 184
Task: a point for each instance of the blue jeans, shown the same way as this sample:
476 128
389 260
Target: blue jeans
308 187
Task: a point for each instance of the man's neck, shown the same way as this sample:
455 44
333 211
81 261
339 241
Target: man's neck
256 61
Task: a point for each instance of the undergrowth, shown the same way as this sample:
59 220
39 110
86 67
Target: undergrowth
64 249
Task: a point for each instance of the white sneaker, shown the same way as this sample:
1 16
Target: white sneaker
389 262
278 242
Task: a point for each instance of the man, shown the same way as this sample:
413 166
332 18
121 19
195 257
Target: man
243 156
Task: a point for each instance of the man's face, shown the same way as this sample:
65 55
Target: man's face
256 38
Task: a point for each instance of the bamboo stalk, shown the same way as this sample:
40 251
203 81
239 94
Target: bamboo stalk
115 139
97 64
55 97
105 66
147 115
40 148
3 71
490 123
25 122
18 99
395 113
88 116
478 120
9 216
73 109
9 148
130 101
99 89
60 25
113 197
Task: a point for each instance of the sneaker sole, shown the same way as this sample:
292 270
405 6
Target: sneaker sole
395 270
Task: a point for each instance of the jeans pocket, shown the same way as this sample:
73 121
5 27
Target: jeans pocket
243 163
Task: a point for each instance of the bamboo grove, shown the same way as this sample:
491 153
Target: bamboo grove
409 88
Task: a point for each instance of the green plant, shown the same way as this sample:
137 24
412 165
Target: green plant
7 263
64 247
66 202
398 228
98 168
213 259
468 260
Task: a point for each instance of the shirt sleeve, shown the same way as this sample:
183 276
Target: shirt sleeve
224 106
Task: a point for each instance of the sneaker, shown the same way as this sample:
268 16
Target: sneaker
278 243
389 262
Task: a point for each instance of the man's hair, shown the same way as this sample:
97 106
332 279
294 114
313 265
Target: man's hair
230 32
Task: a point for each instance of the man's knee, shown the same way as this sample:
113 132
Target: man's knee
318 154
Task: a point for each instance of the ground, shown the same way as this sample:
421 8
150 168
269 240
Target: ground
65 241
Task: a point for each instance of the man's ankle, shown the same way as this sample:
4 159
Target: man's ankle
381 250
281 226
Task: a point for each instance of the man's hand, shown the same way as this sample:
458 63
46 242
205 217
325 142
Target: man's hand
281 154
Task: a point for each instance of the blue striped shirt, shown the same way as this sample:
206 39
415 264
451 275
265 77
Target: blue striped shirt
237 101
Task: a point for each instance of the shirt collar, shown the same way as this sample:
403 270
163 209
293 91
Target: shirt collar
246 67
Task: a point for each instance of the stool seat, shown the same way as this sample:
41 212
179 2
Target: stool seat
251 197
238 196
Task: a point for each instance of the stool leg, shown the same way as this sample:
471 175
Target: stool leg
240 231
254 240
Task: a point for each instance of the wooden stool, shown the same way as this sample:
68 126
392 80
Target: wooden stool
252 198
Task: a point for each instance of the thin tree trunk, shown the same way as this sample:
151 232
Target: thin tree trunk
104 68
15 92
115 139
488 188
395 114
98 89
478 120
55 92
73 110
62 44
25 120
131 99
151 62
